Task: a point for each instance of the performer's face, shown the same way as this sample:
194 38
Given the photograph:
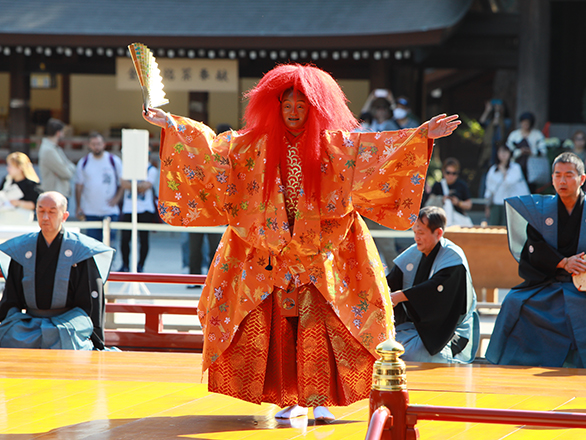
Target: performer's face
566 180
424 238
294 110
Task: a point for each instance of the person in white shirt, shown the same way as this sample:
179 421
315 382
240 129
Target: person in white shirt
97 185
526 142
504 179
146 213
534 139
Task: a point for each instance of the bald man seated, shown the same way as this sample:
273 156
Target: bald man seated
54 284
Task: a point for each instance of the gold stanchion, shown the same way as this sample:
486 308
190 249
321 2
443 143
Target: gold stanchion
389 370
389 389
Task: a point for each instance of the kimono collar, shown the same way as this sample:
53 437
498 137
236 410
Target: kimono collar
294 139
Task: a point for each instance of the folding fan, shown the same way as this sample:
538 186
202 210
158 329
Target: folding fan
149 76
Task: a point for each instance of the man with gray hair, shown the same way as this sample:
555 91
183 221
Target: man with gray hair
57 276
433 298
541 321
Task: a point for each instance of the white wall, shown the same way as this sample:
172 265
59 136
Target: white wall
96 103
356 91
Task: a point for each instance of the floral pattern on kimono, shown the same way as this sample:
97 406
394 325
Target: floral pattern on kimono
209 180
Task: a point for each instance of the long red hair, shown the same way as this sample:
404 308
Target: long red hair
328 110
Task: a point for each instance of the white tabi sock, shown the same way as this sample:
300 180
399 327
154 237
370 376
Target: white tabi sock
322 413
291 412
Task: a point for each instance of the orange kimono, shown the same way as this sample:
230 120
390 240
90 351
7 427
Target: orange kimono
326 257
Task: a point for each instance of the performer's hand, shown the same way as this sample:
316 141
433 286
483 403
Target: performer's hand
442 126
155 116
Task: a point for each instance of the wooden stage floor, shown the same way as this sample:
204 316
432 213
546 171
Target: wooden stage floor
135 395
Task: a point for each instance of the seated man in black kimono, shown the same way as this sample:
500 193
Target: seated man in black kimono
54 284
433 298
541 322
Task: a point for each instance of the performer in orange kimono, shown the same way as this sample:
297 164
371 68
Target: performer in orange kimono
296 298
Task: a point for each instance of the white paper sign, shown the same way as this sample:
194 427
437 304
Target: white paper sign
135 154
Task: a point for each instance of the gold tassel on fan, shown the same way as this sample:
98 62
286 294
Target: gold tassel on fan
149 76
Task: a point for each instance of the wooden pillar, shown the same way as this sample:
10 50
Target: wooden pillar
380 75
198 106
66 98
408 81
533 77
19 115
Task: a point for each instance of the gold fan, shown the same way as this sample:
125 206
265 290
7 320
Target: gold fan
149 76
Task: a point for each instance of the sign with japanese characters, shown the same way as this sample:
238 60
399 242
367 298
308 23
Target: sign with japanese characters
199 75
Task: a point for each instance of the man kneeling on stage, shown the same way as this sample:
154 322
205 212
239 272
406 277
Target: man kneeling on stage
541 321
57 276
433 298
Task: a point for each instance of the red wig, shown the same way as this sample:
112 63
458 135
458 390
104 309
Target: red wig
328 110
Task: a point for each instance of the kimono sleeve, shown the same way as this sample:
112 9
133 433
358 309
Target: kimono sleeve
86 291
388 173
539 260
194 173
436 306
13 295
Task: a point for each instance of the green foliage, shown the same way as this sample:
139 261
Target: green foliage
471 130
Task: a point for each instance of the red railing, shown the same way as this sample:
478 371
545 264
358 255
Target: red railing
379 422
154 337
398 419
156 278
384 426
499 416
392 418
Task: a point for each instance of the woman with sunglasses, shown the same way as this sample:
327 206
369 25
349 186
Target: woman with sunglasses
455 191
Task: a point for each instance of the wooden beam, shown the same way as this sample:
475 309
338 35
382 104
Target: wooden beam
19 104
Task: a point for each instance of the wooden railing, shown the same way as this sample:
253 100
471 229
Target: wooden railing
154 337
393 418
384 426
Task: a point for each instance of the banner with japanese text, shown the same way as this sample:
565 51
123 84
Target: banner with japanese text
195 75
